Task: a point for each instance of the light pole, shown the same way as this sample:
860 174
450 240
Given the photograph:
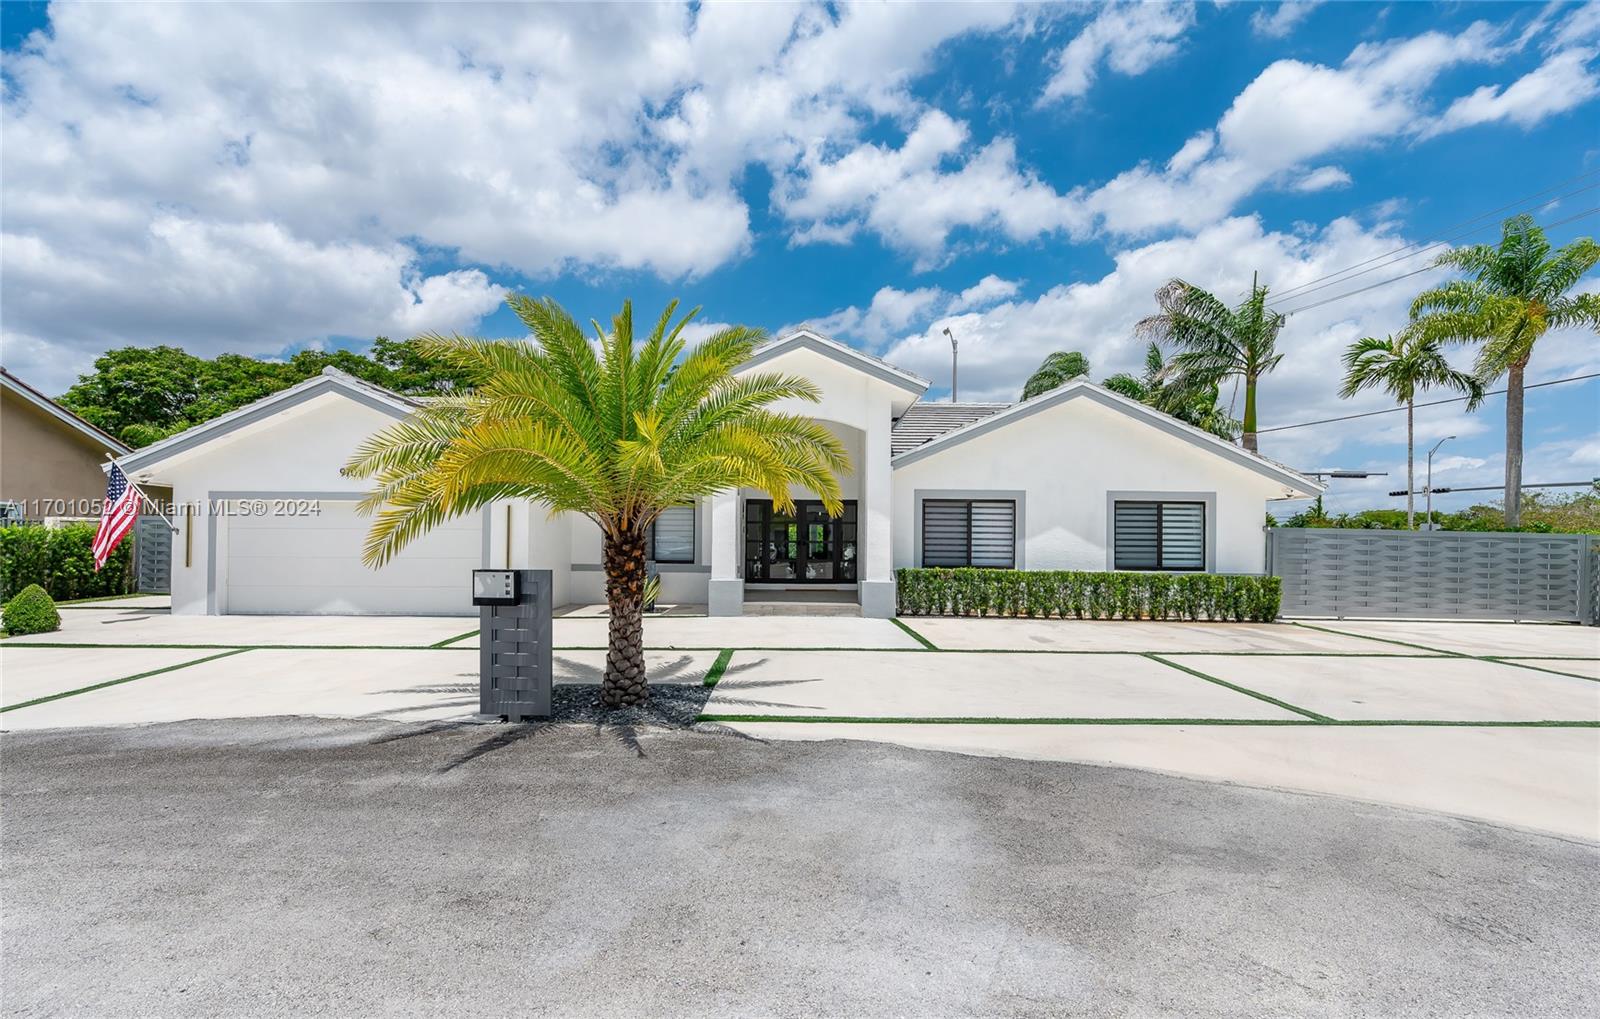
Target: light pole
1428 512
952 336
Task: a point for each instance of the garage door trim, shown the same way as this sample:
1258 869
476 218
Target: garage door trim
213 498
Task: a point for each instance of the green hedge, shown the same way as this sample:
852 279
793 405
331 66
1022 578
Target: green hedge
1074 594
31 611
61 560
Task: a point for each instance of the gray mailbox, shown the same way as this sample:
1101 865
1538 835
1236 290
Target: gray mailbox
514 667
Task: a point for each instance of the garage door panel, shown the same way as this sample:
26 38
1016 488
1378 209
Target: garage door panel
312 564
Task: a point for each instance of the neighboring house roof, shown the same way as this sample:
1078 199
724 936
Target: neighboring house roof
1079 389
806 339
924 422
331 380
31 395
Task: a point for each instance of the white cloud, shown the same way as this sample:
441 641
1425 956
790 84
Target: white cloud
1130 38
1279 21
1562 82
891 311
1322 178
989 290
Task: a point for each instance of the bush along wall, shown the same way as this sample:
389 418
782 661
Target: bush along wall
61 560
1074 594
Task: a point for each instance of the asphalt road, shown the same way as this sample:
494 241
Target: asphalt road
293 867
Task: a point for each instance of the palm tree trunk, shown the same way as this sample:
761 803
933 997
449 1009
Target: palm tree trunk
624 681
1514 445
1250 413
1411 466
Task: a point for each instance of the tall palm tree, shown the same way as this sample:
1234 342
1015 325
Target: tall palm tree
1196 406
615 430
1404 365
1214 342
1055 371
1517 291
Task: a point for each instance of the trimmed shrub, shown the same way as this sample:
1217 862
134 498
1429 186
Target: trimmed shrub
61 560
31 611
1083 594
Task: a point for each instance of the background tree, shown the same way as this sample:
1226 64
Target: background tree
1515 293
1197 406
1214 342
1055 371
615 431
1402 366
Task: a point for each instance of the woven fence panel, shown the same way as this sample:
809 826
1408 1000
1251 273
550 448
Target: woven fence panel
514 643
152 553
1433 574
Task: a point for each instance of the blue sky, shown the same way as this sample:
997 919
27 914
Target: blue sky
261 179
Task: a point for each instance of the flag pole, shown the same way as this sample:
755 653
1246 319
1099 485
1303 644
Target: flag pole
154 506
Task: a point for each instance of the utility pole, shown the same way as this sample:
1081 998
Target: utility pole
952 336
1428 513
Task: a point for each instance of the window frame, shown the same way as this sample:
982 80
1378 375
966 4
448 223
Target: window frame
1206 510
968 499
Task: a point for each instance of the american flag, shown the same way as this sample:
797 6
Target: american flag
116 520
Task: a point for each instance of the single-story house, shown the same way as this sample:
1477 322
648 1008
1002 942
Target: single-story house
50 458
1078 478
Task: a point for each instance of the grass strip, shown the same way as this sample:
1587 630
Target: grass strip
452 640
124 679
919 638
1236 688
718 667
1540 668
1496 659
90 602
1383 640
1352 723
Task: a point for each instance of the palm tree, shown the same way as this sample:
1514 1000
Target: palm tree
1403 365
1056 370
614 431
1196 406
1215 342
1516 293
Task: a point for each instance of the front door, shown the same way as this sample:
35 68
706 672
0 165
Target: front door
803 547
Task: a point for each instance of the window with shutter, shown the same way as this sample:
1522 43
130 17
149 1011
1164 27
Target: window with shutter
1159 536
672 535
969 532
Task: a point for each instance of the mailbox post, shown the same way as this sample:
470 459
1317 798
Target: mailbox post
514 636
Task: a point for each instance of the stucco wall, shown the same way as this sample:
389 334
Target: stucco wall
46 466
1064 461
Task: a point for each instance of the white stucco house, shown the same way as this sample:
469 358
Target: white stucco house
1078 478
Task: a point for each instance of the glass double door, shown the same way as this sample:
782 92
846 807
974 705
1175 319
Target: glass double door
803 547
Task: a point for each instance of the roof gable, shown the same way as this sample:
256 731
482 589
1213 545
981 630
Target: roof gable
96 436
1083 390
332 380
806 339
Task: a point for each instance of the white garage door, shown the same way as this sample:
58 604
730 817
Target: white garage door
312 564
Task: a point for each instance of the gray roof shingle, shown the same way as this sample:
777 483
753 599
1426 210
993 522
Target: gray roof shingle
924 422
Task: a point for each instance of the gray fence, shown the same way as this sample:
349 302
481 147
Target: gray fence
1434 574
152 554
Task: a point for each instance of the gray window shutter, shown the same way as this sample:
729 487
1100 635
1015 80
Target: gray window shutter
674 535
944 533
994 534
1183 536
1135 536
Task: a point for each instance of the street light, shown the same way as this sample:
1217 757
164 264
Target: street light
1428 512
952 336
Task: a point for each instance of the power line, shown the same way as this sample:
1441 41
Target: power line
1453 226
1431 403
1414 272
1437 490
1305 289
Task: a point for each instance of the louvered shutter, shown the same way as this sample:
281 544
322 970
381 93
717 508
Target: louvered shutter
1159 536
1183 536
960 532
1135 536
674 535
944 533
994 534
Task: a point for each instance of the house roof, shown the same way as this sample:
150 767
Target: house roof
31 395
1080 389
924 422
331 380
807 339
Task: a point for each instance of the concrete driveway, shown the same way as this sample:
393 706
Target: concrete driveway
1494 721
294 867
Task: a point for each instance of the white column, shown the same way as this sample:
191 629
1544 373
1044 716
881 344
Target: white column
876 513
725 591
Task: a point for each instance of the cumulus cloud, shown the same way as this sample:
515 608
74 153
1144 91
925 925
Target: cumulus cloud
1277 22
891 310
1129 38
1564 81
1322 179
